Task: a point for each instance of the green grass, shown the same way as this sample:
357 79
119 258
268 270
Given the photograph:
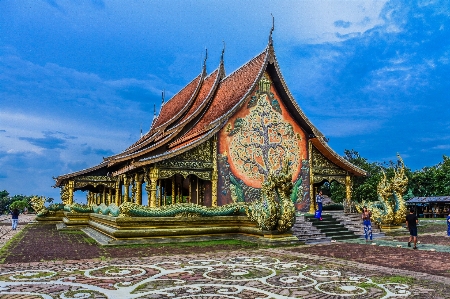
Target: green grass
395 279
73 232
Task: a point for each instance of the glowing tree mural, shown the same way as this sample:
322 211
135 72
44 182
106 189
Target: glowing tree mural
262 140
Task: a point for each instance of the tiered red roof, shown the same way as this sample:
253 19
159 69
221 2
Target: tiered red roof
201 109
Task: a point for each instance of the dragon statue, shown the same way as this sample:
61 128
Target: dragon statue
390 209
275 210
38 205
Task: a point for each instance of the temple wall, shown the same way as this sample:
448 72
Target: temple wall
256 140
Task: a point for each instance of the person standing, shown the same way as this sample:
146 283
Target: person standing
448 224
14 218
366 214
411 224
319 200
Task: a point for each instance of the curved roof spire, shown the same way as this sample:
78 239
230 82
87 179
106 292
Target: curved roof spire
223 51
271 30
204 61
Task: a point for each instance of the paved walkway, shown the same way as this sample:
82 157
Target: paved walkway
393 243
250 274
6 233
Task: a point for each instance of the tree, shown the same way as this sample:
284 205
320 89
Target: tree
5 201
365 188
261 140
432 181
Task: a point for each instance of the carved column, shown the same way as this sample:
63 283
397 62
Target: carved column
138 178
190 189
109 200
214 174
126 193
118 192
71 189
173 190
153 181
348 193
159 200
312 200
104 195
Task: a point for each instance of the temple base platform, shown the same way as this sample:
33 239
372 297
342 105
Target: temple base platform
51 217
108 230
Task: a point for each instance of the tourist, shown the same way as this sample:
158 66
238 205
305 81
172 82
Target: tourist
366 214
15 218
411 224
448 224
319 200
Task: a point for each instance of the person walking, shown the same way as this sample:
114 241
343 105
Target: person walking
411 224
319 200
448 224
366 214
14 218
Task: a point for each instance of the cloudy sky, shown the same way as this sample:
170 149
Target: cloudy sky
79 79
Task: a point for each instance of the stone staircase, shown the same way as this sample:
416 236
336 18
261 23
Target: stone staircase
331 227
306 232
353 222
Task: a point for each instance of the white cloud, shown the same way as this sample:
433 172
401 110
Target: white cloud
315 21
342 127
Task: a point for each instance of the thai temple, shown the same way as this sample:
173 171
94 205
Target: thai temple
215 142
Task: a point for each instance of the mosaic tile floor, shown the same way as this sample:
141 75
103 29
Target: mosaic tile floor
251 275
247 274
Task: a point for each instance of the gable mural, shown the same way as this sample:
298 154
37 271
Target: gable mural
255 142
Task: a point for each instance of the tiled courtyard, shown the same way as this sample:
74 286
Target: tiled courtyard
248 273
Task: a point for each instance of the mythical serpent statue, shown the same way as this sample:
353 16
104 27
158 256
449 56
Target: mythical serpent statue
390 209
275 210
37 203
178 210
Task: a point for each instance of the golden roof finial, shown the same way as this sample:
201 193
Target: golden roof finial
206 57
272 29
223 51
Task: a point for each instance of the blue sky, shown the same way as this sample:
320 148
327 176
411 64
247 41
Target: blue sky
79 79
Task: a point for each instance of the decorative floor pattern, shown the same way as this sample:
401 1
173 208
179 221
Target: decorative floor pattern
229 276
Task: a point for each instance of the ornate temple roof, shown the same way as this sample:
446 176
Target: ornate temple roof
201 109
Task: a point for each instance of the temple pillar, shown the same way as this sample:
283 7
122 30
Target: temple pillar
126 184
312 200
214 179
118 193
190 189
138 179
348 193
214 174
173 190
153 181
159 194
104 195
71 185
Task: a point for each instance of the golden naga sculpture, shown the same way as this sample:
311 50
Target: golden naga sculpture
38 205
390 209
275 210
